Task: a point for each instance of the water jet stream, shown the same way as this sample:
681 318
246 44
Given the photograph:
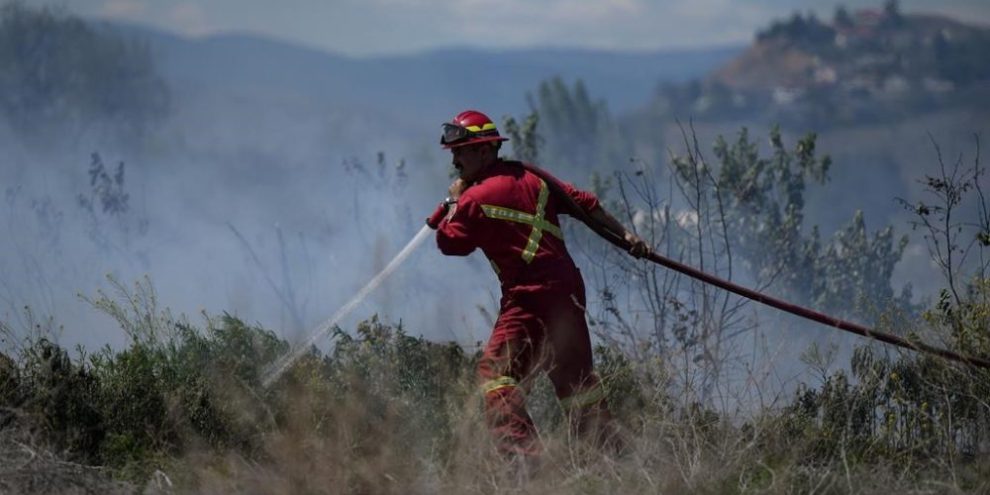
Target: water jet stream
297 351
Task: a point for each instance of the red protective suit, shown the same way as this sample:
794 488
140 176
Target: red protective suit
511 216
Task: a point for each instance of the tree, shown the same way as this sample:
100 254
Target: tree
526 142
764 213
892 9
842 18
892 14
58 71
576 131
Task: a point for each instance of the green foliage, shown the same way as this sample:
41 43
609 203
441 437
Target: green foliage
892 13
55 394
916 410
525 139
578 133
56 70
395 375
633 389
908 410
857 267
799 30
762 204
171 388
764 201
176 388
841 18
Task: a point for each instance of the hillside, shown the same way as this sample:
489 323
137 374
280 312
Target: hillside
868 52
864 67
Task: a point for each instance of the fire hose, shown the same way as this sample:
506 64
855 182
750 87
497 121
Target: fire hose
619 241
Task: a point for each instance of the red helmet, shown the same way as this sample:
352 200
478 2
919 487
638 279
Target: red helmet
469 127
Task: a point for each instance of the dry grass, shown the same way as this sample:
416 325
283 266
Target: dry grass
344 450
383 412
27 467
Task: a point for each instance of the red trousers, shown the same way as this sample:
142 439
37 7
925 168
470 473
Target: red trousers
540 328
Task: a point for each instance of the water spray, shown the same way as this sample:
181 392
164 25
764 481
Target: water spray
296 352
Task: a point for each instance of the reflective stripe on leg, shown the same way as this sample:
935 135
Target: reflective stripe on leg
584 398
498 383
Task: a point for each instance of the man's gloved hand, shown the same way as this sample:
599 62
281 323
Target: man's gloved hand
455 190
638 247
434 219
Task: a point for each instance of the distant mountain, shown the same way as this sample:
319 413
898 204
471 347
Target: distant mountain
448 78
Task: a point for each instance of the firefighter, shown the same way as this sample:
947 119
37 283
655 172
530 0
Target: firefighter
509 213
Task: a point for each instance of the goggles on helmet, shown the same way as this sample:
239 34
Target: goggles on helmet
453 133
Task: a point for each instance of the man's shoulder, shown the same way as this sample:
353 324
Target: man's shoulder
500 179
487 190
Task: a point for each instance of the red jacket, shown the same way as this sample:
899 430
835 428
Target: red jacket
510 214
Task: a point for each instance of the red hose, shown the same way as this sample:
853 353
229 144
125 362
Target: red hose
620 242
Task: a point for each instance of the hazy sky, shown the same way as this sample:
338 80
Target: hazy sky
375 27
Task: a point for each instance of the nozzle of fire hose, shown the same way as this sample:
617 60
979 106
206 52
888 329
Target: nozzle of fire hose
434 220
